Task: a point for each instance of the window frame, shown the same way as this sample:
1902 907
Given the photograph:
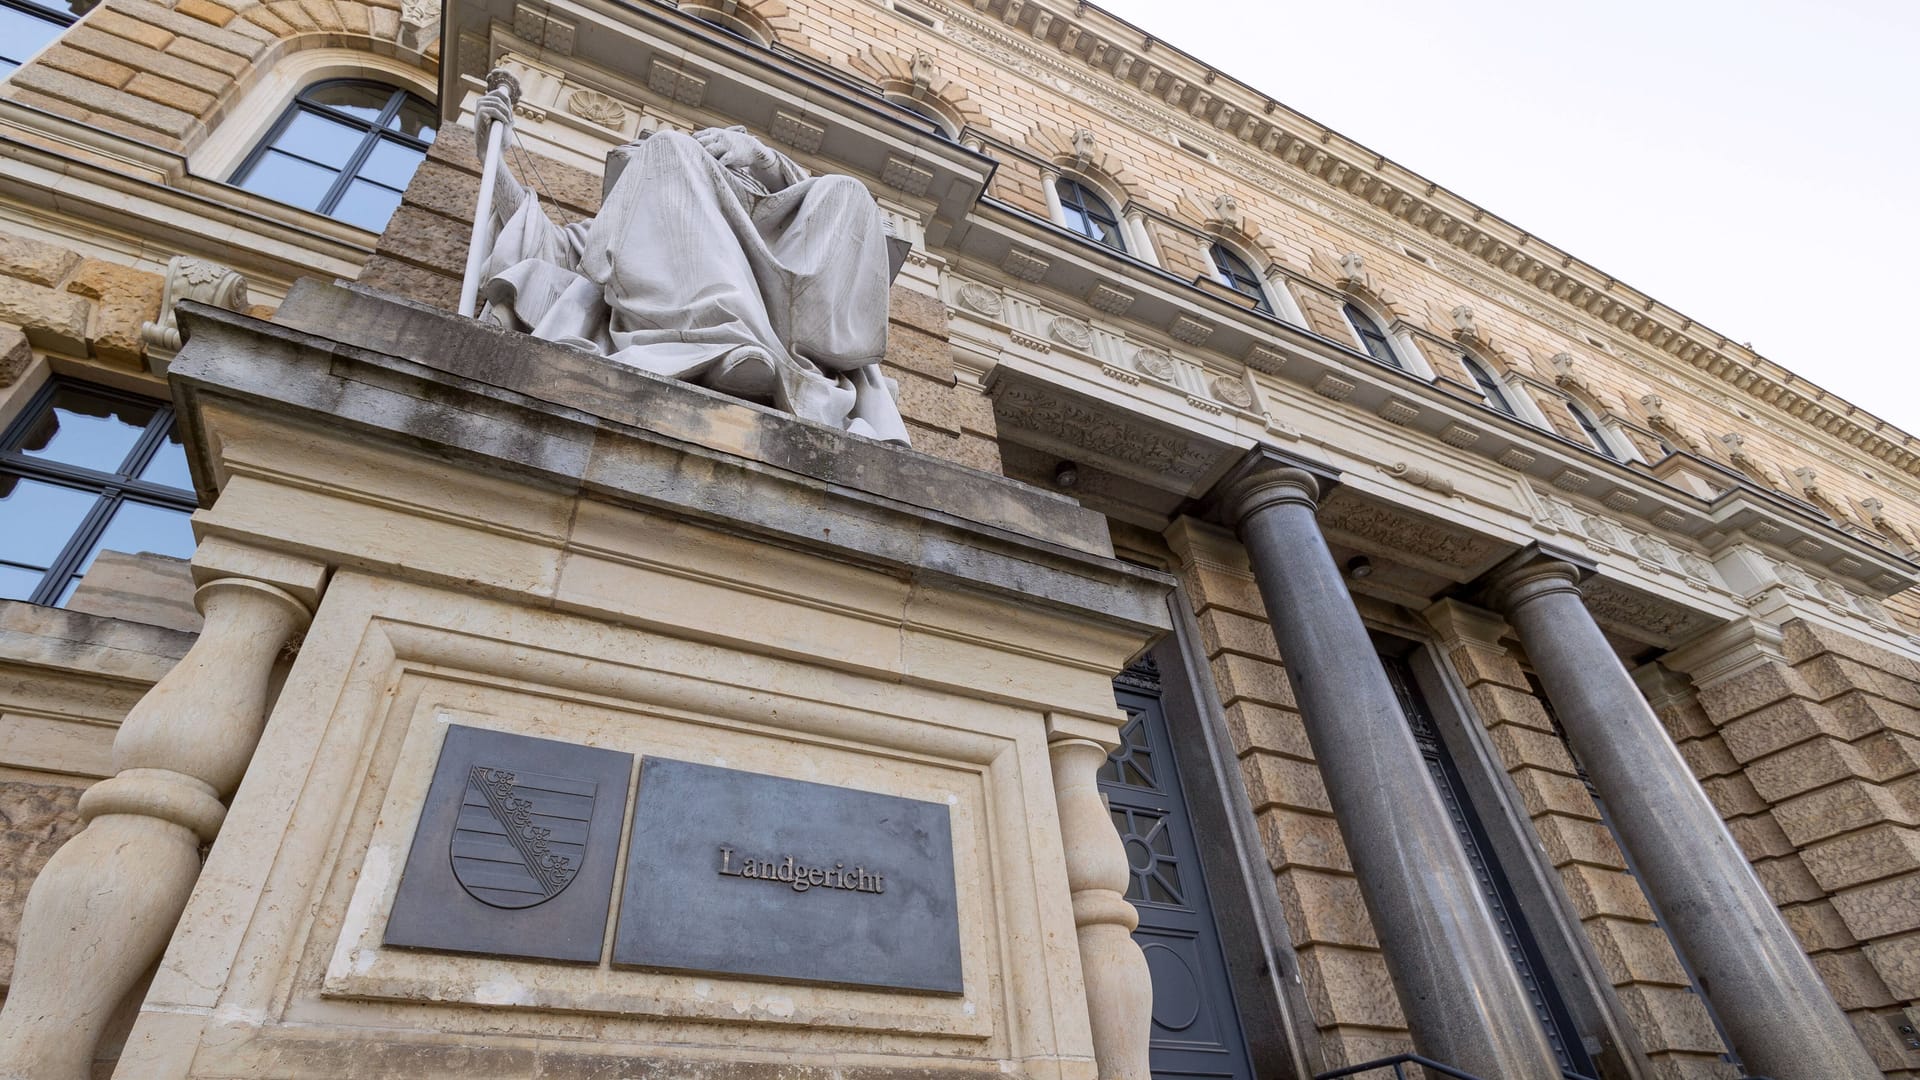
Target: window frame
1227 267
1594 428
372 133
1082 191
1491 386
1366 321
64 20
110 490
942 125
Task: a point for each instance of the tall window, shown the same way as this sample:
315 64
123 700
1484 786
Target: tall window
1088 214
1590 424
1374 338
86 470
1238 276
1490 387
26 27
930 116
345 148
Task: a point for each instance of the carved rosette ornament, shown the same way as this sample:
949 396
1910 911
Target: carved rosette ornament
977 297
596 108
1154 364
1071 332
1229 390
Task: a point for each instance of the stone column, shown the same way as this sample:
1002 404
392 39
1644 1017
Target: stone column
1142 240
1050 190
101 912
1119 987
1456 985
1776 1011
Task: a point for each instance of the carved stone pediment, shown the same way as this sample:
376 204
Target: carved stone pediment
1627 612
1439 547
1104 435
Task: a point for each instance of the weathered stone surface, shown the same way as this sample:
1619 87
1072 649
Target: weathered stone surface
1842 807
1595 891
1552 793
1272 729
412 282
1577 840
1670 1019
143 588
123 299
205 11
920 352
1818 926
1495 703
1276 781
1635 952
1743 693
86 65
1708 757
924 400
1859 857
443 189
1787 881
1851 978
1325 909
35 819
1881 909
52 319
105 100
909 307
1296 838
1777 725
16 355
1519 745
34 261
1350 986
577 191
1897 961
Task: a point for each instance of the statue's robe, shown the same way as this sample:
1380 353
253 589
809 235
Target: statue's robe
775 292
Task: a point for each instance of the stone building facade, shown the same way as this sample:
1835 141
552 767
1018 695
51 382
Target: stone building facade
1216 402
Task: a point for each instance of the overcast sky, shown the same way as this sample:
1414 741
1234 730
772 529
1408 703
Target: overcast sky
1754 164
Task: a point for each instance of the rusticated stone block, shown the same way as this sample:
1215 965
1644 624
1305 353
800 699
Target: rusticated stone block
1295 838
105 100
1477 665
443 189
1276 781
1502 704
1520 746
1265 727
52 320
1752 689
1686 721
1760 836
1669 1018
204 11
924 400
1350 986
1881 909
1635 952
35 819
908 307
1544 792
123 299
1851 979
1802 640
1577 840
427 240
577 191
1840 808
1867 855
1708 757
1802 768
1733 796
1859 711
1787 881
1778 725
1325 909
1597 892
1818 926
1224 631
1897 960
1226 589
116 22
1248 677
1831 675
86 65
33 261
16 355
413 282
921 353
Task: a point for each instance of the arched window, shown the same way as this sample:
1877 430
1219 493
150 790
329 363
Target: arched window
1371 336
1088 214
751 29
1236 274
345 148
1490 387
1590 424
26 27
941 125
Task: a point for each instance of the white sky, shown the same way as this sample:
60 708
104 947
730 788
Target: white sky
1754 164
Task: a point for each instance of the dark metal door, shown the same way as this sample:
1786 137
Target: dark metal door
1196 1030
1548 1004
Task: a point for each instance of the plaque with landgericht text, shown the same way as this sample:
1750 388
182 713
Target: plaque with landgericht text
739 873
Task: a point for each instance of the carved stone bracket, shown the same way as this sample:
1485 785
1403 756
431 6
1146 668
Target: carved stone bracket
194 279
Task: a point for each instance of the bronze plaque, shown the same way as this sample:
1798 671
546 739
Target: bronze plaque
732 872
515 849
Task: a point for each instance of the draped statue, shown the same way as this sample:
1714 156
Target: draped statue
713 259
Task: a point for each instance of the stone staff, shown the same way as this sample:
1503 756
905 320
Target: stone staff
482 241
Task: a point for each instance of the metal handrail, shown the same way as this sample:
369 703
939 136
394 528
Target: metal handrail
1398 1062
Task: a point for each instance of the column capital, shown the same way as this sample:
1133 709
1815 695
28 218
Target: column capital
1533 571
1268 477
1726 652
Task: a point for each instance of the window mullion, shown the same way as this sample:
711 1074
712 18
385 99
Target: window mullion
67 563
349 172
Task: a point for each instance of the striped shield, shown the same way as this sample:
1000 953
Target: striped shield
520 836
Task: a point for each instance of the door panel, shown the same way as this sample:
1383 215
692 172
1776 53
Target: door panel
1196 1029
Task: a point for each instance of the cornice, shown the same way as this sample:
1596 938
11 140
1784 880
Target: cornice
1207 105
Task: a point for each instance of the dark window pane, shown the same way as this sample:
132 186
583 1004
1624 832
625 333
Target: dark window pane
1372 336
18 584
86 429
391 164
358 100
23 33
367 205
289 180
40 518
137 527
415 118
320 139
169 464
